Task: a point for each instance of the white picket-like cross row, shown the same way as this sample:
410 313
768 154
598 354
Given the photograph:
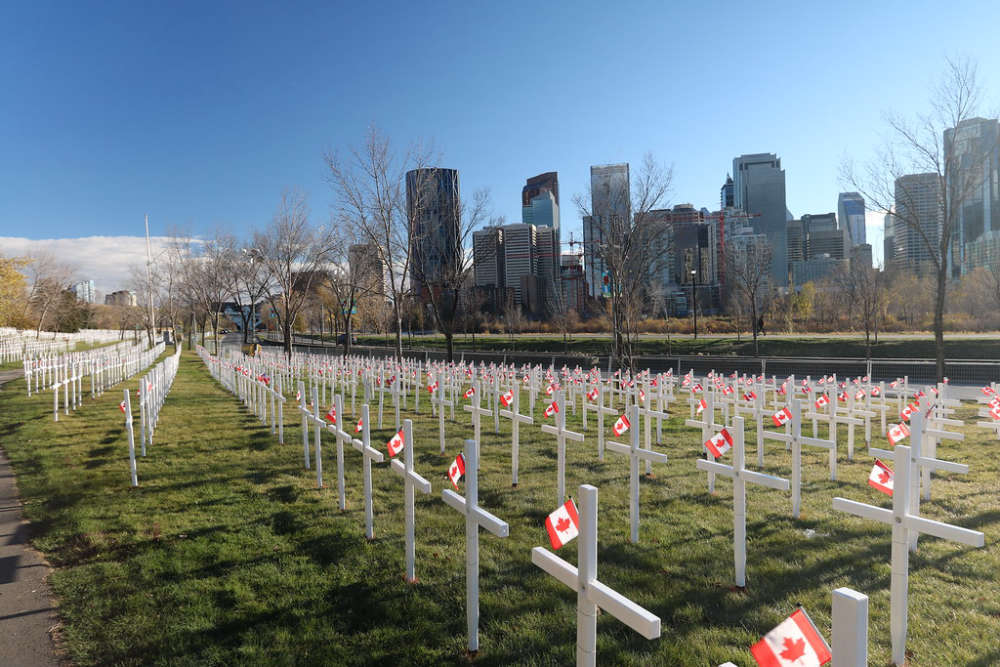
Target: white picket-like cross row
369 454
559 430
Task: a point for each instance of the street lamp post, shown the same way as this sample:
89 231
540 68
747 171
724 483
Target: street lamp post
694 300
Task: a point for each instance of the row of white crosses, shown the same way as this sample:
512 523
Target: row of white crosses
70 377
153 390
43 371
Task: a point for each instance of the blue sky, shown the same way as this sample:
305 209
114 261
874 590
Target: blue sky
201 113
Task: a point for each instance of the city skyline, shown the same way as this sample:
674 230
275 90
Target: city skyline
202 123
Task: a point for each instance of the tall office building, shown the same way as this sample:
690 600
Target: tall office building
610 200
972 177
572 283
433 208
918 205
759 189
535 187
520 264
888 243
727 194
85 291
851 212
487 257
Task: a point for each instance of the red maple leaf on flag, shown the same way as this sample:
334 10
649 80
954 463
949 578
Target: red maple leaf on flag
794 648
883 477
562 524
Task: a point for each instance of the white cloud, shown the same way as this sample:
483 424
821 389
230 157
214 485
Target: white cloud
104 259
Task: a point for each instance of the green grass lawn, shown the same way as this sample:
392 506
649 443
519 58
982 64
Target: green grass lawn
228 554
813 346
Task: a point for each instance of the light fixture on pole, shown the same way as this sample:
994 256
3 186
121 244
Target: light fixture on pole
694 300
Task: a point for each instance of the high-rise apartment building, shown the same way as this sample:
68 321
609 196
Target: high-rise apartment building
85 291
572 283
545 211
120 298
919 202
759 189
851 213
972 178
433 208
727 194
610 201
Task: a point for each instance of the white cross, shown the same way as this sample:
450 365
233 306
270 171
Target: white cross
342 437
850 629
601 410
477 411
903 525
475 517
649 415
319 425
793 438
364 446
559 430
920 463
591 594
411 480
516 419
635 454
305 422
437 398
741 476
131 439
707 425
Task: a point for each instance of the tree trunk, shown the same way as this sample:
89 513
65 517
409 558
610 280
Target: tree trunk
449 340
286 330
753 325
942 284
399 330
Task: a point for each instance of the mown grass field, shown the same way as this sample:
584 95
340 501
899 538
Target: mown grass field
806 346
228 554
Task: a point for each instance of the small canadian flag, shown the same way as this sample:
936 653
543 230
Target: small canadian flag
795 641
701 406
551 410
395 444
456 470
507 398
549 389
642 396
781 390
592 394
842 397
298 397
563 524
357 429
908 410
987 390
859 395
822 401
782 417
697 388
470 392
719 444
749 395
897 433
876 391
995 412
331 415
121 406
881 478
727 390
432 387
621 426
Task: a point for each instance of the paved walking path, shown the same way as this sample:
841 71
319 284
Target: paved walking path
27 612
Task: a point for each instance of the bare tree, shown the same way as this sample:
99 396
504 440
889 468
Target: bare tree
632 245
369 184
917 147
295 253
48 277
249 282
748 263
